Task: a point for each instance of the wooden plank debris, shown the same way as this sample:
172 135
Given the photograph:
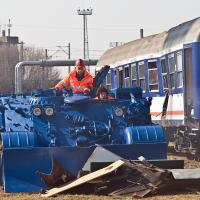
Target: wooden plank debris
84 179
127 178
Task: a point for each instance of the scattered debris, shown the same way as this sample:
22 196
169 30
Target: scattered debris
130 178
57 176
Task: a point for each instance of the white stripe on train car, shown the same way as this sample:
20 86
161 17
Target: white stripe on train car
175 108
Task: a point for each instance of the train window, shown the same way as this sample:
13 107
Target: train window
164 73
142 75
127 76
179 69
108 80
134 75
121 78
171 70
153 75
115 77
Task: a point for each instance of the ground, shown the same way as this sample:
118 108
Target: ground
193 195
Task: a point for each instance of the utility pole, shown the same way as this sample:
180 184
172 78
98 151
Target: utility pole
67 52
84 13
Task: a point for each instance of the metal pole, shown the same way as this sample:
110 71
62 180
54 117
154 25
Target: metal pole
69 56
69 51
141 33
84 18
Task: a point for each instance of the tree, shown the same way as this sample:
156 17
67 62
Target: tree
9 57
32 76
36 76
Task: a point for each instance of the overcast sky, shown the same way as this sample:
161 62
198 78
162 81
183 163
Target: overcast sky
51 23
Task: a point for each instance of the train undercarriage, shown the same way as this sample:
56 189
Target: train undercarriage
184 140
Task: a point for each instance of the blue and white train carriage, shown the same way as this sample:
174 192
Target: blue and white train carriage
167 67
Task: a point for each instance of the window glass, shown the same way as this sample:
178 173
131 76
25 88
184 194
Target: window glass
127 76
179 69
141 70
121 78
171 63
179 61
134 75
115 77
171 70
108 80
165 82
171 79
179 79
164 73
163 65
126 69
142 75
153 75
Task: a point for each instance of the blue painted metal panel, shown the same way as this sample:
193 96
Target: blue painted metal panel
19 139
196 78
144 134
20 165
150 151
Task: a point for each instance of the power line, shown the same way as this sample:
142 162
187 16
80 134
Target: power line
91 28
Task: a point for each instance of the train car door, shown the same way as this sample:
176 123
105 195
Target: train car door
188 93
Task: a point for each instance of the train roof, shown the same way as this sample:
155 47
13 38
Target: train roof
153 45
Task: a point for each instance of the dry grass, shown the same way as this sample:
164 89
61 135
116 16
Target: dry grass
179 196
4 196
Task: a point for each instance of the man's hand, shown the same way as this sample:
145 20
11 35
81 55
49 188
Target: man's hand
86 91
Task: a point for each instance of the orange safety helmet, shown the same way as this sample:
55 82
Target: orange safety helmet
80 64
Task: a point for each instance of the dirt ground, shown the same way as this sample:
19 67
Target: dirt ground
193 195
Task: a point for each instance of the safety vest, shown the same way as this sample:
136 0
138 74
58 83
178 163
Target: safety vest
71 82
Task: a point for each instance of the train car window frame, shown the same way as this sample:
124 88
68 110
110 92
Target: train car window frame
108 80
134 74
141 77
127 76
116 77
172 67
120 77
164 72
179 68
153 75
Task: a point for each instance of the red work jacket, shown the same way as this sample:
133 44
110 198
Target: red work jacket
71 82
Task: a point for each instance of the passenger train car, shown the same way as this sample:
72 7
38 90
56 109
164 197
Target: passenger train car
167 67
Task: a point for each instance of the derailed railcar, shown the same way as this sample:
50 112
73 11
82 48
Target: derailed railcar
50 126
166 67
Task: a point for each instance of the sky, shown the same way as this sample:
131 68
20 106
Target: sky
51 23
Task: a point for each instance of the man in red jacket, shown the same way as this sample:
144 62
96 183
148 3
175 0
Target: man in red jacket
79 80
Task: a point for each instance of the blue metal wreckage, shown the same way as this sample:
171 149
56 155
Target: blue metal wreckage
48 124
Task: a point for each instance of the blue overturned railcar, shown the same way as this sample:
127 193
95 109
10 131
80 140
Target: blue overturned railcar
51 125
